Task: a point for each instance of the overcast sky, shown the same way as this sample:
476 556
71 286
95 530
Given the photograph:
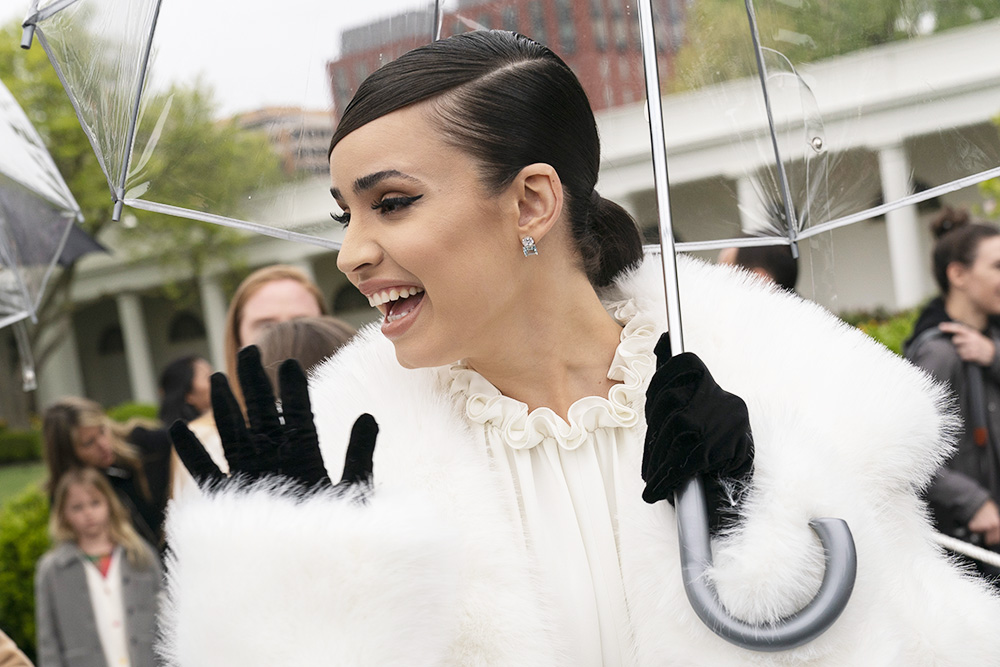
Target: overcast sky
253 52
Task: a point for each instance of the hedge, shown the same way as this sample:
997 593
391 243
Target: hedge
20 446
890 329
125 411
23 540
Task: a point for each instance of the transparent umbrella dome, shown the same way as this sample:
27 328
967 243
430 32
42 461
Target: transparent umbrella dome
37 214
723 124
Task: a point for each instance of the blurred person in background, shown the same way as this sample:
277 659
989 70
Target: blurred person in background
184 390
774 263
96 589
308 340
10 654
134 458
268 296
956 339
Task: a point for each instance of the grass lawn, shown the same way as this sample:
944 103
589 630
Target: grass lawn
14 478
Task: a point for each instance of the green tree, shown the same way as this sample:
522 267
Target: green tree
198 161
718 47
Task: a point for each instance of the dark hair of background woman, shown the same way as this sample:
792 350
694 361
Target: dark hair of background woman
175 385
508 102
958 239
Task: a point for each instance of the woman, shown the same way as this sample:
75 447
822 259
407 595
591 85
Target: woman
184 390
513 377
956 340
135 459
268 296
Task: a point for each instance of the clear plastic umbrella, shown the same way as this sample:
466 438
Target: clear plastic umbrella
37 214
781 121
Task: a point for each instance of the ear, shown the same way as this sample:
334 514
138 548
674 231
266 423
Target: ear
540 200
957 273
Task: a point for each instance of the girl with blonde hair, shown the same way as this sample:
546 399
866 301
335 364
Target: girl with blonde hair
100 576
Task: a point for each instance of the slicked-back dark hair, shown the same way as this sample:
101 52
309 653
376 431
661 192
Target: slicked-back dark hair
509 102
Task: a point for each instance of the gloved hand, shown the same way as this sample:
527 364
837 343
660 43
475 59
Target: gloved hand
693 427
284 445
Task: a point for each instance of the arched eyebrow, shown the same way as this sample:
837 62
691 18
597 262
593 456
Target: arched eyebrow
371 180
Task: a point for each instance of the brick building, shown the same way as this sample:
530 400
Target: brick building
598 39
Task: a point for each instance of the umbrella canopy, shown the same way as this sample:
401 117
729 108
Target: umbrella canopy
37 213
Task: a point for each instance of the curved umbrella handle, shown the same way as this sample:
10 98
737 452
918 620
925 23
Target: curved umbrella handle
801 627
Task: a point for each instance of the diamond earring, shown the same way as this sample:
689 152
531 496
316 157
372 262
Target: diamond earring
528 246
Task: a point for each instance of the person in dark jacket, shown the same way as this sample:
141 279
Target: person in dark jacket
956 339
134 458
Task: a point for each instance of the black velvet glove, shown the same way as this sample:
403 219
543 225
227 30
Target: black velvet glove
693 427
284 445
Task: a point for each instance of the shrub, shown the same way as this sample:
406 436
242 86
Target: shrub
890 329
23 540
125 411
20 446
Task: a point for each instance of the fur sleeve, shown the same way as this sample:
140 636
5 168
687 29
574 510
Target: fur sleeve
258 577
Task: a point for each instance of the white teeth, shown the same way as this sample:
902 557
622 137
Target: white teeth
393 294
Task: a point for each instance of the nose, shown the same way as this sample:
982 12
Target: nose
358 251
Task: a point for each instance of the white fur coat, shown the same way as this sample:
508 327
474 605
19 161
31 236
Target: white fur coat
431 571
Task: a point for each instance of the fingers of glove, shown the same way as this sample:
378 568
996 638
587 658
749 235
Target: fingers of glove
194 457
262 411
229 422
295 405
665 471
360 450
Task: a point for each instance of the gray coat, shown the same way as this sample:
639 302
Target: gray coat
66 627
972 475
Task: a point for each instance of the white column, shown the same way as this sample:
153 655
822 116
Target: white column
137 350
60 374
213 310
902 228
752 220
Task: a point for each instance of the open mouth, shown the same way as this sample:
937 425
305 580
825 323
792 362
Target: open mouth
397 302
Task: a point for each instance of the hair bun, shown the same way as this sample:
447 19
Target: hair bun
949 219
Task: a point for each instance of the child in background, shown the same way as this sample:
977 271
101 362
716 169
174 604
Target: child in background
96 590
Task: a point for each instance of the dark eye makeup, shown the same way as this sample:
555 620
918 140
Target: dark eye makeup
391 204
384 206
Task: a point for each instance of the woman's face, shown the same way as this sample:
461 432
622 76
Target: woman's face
92 446
982 279
200 396
86 511
425 242
275 301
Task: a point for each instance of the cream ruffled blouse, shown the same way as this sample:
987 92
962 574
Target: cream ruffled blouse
564 475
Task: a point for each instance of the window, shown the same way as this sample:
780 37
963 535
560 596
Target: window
509 18
538 22
111 341
567 27
185 326
600 25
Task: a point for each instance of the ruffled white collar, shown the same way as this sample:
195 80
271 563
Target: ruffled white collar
632 366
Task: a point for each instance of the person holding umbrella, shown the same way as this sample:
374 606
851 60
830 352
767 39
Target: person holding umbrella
531 421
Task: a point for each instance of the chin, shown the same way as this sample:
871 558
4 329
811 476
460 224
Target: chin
411 359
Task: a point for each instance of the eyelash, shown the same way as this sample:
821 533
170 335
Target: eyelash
390 205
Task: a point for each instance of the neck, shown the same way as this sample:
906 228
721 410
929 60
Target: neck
961 309
95 545
559 348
